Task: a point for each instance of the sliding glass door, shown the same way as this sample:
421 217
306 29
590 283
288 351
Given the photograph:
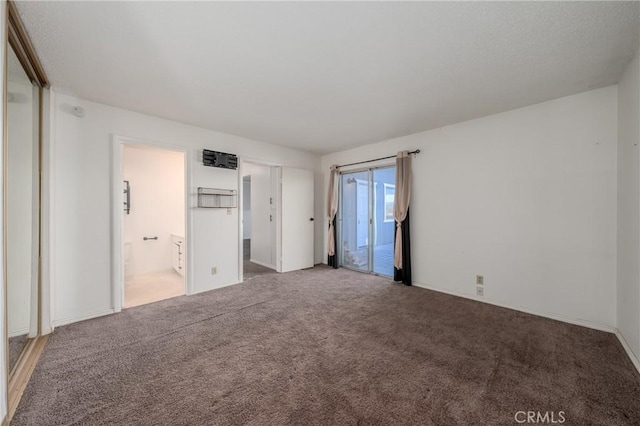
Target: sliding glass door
354 247
366 228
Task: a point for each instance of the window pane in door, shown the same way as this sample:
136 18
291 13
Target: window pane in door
354 233
384 186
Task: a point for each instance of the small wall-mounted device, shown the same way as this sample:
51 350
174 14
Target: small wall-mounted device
78 111
219 159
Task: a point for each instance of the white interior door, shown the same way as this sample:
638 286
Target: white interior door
274 214
261 215
297 219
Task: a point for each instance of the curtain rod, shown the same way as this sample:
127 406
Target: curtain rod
417 151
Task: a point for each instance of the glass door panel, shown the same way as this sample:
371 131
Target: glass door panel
354 232
383 224
367 227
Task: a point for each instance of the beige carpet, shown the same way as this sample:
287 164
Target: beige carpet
327 347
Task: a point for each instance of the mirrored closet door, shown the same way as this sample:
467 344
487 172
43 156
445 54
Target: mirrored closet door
24 86
22 207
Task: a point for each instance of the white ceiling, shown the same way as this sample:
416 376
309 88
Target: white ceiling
328 76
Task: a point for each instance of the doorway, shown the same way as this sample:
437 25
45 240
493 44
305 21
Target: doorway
153 219
260 208
367 225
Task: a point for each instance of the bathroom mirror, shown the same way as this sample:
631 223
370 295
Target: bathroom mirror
22 207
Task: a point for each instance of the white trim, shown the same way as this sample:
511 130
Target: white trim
278 196
85 317
240 225
48 226
37 216
20 333
583 323
117 252
627 349
117 238
384 199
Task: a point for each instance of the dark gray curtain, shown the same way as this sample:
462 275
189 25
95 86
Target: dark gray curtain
404 274
332 259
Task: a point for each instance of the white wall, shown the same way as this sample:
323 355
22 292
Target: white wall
81 200
21 207
525 198
261 241
628 277
157 198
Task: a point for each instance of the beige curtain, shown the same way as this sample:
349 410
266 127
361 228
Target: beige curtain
401 201
332 207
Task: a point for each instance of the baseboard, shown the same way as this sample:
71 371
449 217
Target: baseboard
19 333
262 264
21 374
627 348
65 321
583 323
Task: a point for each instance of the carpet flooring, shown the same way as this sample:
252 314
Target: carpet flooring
324 347
252 270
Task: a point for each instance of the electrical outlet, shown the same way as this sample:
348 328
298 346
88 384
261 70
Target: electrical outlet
214 270
479 280
479 291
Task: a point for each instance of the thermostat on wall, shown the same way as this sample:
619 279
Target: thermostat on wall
219 159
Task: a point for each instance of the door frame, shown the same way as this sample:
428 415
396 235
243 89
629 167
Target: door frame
278 202
117 225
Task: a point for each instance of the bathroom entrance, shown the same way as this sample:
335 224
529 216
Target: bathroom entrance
153 224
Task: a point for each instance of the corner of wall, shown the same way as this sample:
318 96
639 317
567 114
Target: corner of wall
625 345
628 211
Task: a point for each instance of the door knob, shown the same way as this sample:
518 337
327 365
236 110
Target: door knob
311 219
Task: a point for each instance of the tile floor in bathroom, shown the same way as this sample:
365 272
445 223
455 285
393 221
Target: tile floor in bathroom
148 288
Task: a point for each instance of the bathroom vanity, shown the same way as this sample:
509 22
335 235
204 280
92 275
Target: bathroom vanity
178 253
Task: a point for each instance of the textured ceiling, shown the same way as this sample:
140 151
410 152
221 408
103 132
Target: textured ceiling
328 76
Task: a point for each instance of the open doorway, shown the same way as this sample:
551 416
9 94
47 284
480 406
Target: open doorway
259 220
154 246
